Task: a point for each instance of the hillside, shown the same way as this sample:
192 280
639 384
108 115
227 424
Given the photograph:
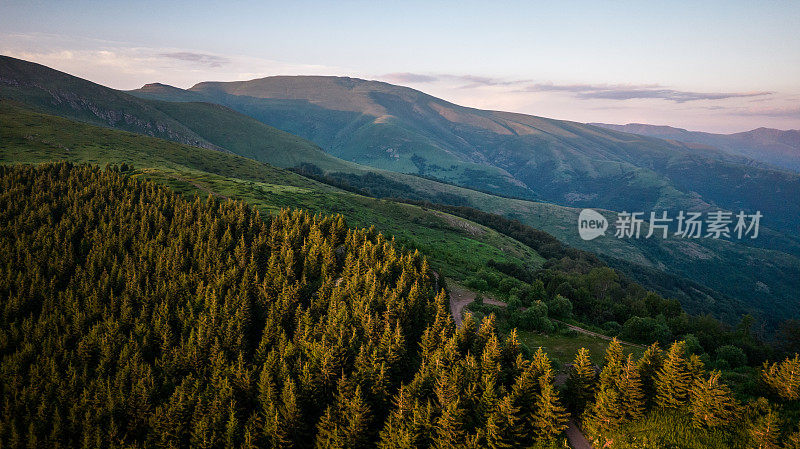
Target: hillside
293 330
572 164
772 146
707 276
702 284
495 255
198 124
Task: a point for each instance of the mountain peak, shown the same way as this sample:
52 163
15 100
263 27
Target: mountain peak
156 86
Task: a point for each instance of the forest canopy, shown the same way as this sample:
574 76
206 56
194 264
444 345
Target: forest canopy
134 317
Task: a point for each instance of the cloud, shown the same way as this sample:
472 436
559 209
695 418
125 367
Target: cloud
612 92
199 58
478 81
407 77
627 92
789 112
122 65
467 81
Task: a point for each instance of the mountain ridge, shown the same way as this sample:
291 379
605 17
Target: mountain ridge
400 129
780 148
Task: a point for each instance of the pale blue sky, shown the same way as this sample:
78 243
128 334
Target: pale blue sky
719 66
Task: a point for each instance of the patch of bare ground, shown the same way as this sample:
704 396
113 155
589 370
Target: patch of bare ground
461 296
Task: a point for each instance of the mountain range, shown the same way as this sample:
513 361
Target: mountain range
403 130
773 146
533 169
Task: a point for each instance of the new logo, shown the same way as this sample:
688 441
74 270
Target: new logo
591 224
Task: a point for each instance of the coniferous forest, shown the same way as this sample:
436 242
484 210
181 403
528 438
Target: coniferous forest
404 225
135 317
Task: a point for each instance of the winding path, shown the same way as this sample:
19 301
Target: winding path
461 296
594 334
575 437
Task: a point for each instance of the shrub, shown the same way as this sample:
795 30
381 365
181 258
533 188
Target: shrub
732 355
559 307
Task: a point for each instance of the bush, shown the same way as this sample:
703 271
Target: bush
612 328
693 345
507 284
559 307
645 330
733 356
534 318
477 284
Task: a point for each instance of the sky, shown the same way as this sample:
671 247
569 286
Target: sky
724 66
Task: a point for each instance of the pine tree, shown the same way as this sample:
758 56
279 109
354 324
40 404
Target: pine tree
629 386
449 429
606 413
581 381
550 419
619 394
764 428
784 377
673 379
793 441
291 414
501 425
614 353
695 367
711 402
525 392
649 365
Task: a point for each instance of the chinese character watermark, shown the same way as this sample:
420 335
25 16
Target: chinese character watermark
686 225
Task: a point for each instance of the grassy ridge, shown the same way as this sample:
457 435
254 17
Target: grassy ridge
456 246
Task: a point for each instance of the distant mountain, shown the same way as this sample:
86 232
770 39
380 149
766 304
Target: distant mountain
165 92
205 125
404 130
772 146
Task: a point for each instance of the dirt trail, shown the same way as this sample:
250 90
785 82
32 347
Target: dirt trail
576 438
460 296
594 334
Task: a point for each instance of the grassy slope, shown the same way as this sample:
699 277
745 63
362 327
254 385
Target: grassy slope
401 129
764 279
53 92
248 137
455 246
198 124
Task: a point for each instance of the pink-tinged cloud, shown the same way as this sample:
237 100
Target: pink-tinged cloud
602 92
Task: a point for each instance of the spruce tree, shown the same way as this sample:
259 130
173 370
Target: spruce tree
550 419
783 377
673 380
580 384
711 402
793 440
605 413
449 429
764 428
619 393
649 365
629 386
501 430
